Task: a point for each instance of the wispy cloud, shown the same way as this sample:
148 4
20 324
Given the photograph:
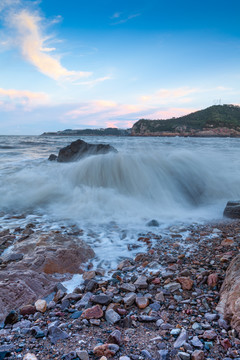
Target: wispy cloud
180 95
32 45
11 98
94 82
121 18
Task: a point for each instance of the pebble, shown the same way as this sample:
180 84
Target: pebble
142 302
41 305
27 310
174 286
184 355
129 299
115 337
196 342
127 287
141 282
111 316
182 338
209 334
82 354
186 282
198 355
29 356
94 312
55 334
101 299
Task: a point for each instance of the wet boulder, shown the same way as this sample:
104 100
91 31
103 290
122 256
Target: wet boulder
232 210
79 149
229 304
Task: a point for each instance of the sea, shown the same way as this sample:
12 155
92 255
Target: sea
176 181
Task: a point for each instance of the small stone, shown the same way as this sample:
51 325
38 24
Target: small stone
11 318
142 302
124 358
184 355
209 334
164 354
29 356
196 342
127 287
175 332
129 299
14 257
41 305
82 354
212 280
153 223
227 242
95 322
115 337
56 333
84 301
88 275
160 297
94 312
146 318
27 310
186 282
172 286
102 299
76 315
147 354
107 350
141 282
208 345
226 344
182 338
91 285
198 355
211 317
111 316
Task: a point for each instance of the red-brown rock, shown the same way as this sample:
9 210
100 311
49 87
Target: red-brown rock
212 280
186 282
103 350
27 310
94 312
198 355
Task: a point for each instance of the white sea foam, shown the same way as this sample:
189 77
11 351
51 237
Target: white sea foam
170 180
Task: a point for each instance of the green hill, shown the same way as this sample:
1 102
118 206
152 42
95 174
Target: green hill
217 120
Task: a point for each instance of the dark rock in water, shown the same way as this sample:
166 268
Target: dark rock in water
52 157
11 318
79 148
153 223
232 210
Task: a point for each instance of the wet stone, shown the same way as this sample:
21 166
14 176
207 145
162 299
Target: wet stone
141 282
27 310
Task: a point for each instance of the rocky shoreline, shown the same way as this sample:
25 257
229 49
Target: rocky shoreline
160 305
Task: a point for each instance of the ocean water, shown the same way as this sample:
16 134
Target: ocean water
112 197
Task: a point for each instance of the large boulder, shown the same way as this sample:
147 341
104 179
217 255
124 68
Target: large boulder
232 210
45 260
23 287
79 148
229 304
51 253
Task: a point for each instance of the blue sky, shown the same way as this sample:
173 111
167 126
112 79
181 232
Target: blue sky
77 64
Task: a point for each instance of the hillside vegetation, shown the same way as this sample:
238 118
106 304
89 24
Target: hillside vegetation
214 117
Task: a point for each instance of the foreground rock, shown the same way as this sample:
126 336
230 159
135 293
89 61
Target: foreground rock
33 276
78 149
232 210
229 304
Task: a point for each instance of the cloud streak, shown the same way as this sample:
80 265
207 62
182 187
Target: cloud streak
32 45
10 98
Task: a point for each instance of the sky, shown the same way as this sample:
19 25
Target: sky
108 63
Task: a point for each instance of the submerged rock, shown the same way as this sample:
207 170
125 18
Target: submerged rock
78 149
232 210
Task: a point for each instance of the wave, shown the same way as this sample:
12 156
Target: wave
124 187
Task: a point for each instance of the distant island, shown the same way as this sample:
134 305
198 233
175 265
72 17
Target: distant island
90 132
217 120
214 121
